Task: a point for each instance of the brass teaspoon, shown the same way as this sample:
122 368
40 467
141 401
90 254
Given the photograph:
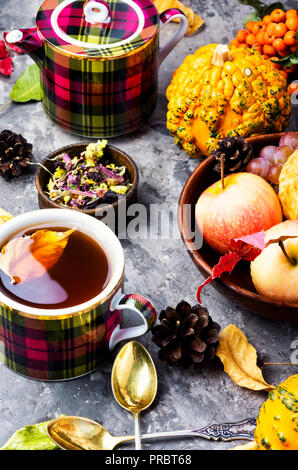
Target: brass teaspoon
134 382
75 433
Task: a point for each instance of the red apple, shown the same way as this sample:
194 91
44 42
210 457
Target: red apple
246 205
274 274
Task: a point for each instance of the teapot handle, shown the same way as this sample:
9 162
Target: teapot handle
165 17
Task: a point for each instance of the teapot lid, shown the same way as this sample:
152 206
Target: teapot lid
97 28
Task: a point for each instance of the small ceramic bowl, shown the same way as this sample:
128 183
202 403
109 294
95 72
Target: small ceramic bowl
115 155
238 285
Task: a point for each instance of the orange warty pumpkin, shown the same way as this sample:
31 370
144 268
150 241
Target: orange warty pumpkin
277 424
223 91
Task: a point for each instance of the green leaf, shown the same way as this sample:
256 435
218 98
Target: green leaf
296 35
28 86
269 9
261 8
32 437
251 17
285 61
252 3
288 60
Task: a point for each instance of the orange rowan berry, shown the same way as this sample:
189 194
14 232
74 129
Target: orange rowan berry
261 38
234 42
279 30
256 27
291 13
241 35
249 26
279 44
278 15
269 50
267 19
292 23
289 38
250 39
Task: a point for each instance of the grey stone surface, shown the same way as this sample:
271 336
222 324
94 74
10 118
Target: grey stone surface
159 269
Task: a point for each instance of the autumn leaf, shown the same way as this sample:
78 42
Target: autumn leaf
226 264
195 22
246 248
283 238
4 216
250 246
240 359
29 257
249 446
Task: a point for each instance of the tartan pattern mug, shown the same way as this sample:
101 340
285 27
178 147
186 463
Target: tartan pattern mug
63 344
99 62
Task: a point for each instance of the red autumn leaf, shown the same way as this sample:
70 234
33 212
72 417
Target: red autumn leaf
3 50
226 264
249 246
256 239
12 46
6 67
246 248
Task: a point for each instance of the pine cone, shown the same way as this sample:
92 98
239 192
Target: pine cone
186 335
235 151
15 154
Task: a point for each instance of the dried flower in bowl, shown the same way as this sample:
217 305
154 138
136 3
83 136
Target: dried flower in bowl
88 179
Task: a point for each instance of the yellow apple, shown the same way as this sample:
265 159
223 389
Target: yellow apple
273 274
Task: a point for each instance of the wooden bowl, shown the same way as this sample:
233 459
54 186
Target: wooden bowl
115 155
238 285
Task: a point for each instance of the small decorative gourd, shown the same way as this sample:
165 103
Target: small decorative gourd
223 91
277 424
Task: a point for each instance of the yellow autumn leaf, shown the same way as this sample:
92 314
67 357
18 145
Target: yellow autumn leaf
240 359
250 446
194 21
29 257
4 216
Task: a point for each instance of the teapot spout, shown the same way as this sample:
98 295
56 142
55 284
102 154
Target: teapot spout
29 41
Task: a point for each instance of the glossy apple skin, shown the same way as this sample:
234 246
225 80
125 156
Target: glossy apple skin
246 205
272 274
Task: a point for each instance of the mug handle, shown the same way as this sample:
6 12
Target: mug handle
165 17
140 305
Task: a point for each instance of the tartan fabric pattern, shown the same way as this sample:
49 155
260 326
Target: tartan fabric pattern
124 23
32 45
100 98
54 349
47 348
143 305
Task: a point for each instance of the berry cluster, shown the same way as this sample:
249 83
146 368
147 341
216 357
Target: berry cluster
275 37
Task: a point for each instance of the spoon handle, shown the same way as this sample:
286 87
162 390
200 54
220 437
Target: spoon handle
226 432
137 431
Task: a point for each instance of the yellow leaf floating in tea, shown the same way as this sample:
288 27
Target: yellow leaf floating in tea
29 257
240 359
4 216
194 21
